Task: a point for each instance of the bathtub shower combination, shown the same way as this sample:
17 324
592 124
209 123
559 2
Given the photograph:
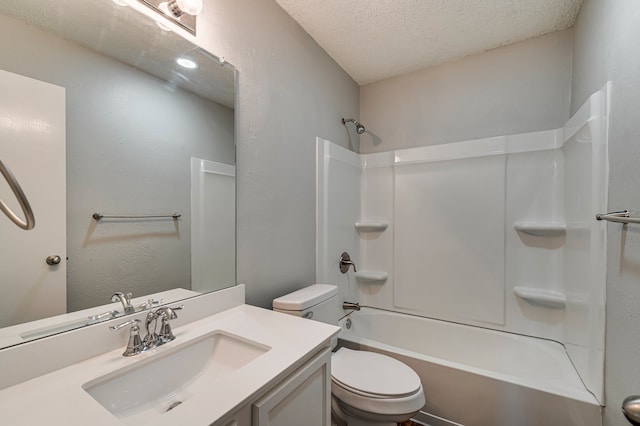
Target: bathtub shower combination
482 266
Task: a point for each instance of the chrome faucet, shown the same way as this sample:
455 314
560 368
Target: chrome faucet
136 344
167 314
151 339
350 305
166 335
125 299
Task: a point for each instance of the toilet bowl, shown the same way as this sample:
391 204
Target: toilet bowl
367 388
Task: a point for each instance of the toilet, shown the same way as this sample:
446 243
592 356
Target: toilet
367 388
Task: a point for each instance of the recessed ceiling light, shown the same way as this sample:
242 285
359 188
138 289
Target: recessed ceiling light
187 63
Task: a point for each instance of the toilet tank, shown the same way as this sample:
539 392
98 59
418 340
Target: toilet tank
318 302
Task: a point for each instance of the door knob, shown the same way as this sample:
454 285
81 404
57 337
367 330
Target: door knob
54 259
631 409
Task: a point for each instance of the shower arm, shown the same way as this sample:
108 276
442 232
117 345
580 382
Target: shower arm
29 221
360 129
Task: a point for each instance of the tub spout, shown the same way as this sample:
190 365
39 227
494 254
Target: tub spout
349 305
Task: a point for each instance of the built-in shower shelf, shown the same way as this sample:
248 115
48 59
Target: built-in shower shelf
372 276
549 298
541 229
372 226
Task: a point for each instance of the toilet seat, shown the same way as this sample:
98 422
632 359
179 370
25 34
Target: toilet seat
373 374
375 383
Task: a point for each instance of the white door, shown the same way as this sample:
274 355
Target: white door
32 146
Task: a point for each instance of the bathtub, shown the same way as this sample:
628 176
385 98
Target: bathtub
475 376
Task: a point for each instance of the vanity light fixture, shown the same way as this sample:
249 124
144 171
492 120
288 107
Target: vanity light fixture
180 12
179 7
187 63
121 2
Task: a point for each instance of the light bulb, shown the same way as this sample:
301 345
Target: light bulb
187 63
164 7
191 7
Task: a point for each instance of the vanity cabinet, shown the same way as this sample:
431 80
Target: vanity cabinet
241 417
302 398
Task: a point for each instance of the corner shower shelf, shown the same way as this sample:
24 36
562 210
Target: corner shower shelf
371 276
549 298
372 226
541 229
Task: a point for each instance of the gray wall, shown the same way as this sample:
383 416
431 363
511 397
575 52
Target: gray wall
520 88
606 48
290 92
129 143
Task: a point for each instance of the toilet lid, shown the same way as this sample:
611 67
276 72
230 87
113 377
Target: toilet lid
373 373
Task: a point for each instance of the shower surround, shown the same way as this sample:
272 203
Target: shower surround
497 233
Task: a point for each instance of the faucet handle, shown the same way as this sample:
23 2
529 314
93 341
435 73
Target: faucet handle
133 323
110 314
149 304
167 313
134 345
345 263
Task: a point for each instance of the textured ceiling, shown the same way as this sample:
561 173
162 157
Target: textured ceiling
377 39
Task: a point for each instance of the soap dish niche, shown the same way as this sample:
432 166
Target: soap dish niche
371 276
541 229
541 297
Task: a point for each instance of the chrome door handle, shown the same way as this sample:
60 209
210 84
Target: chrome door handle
54 259
631 409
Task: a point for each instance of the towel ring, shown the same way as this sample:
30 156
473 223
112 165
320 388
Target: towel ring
29 221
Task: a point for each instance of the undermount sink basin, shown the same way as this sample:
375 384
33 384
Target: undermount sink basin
160 382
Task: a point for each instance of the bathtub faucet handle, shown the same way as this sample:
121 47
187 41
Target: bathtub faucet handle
350 305
345 263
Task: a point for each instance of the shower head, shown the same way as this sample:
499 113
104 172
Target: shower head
359 127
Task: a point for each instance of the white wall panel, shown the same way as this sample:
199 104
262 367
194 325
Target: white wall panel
456 247
534 195
213 224
449 238
339 192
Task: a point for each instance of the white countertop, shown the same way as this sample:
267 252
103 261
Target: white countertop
57 398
